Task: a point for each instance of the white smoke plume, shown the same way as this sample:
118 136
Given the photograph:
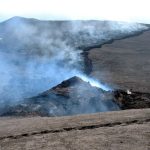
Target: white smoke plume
37 55
94 82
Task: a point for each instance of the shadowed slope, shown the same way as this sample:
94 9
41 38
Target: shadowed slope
73 96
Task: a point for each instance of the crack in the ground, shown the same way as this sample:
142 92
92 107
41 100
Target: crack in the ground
75 128
88 66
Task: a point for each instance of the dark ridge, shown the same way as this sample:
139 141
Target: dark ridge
70 82
88 63
62 88
134 34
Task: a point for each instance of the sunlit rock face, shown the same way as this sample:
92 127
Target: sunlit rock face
71 97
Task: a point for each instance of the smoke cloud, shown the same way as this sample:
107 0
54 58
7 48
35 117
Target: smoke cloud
37 55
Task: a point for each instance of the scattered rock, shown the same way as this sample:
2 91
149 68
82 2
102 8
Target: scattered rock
132 100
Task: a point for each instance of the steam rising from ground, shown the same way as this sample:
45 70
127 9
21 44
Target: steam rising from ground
36 55
94 82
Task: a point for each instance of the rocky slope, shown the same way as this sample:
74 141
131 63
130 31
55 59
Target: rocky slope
73 96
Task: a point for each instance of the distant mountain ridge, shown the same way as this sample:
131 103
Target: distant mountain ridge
25 35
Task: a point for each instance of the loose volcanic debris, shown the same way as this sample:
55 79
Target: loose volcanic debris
71 97
132 100
75 96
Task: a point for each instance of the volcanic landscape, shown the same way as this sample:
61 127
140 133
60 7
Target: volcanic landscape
91 72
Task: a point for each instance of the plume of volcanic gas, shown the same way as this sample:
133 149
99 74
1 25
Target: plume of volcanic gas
36 55
71 97
75 96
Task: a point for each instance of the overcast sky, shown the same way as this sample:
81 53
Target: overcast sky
123 10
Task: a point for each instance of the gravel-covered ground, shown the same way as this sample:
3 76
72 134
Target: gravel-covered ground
121 130
124 63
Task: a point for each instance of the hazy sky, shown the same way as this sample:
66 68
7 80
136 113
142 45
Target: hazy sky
123 10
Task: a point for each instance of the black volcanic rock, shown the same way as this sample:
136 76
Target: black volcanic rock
132 100
73 96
